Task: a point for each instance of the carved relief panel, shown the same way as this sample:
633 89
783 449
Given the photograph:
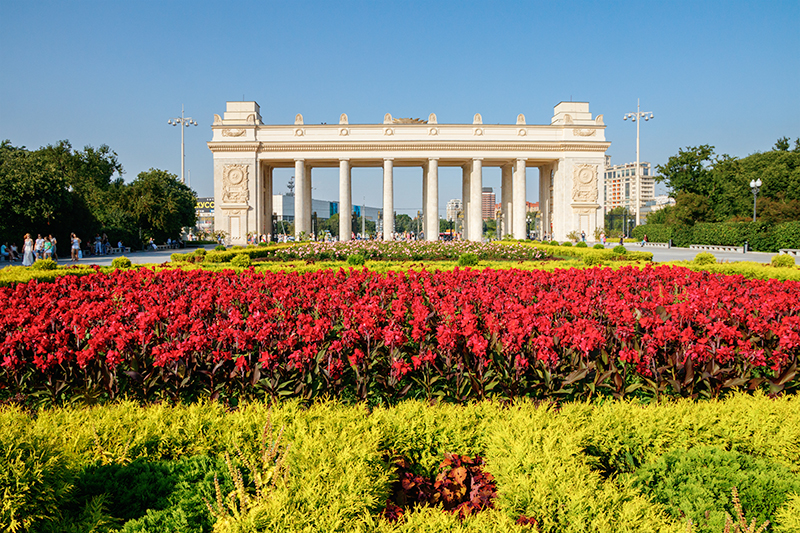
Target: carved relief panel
584 184
234 184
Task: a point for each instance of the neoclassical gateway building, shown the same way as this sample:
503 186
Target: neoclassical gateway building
569 154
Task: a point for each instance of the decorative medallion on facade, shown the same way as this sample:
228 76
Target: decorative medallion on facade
584 132
234 184
584 184
232 133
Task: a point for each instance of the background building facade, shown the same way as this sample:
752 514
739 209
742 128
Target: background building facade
454 205
488 204
619 186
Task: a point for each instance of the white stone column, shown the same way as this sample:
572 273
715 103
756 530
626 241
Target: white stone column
301 208
506 206
388 198
432 201
424 220
266 225
345 201
309 202
254 219
518 201
544 199
476 201
466 175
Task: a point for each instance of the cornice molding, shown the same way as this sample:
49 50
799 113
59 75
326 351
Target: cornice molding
409 146
234 146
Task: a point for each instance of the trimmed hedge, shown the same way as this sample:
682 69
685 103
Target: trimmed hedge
761 236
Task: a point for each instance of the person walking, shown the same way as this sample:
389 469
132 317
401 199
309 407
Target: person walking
47 249
603 238
622 240
54 243
644 240
76 246
27 251
38 247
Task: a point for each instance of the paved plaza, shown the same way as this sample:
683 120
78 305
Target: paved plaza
660 255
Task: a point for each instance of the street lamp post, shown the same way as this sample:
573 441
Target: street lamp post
636 117
182 122
755 186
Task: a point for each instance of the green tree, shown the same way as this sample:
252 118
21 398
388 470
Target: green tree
402 223
490 228
161 204
33 198
689 171
689 209
782 144
660 216
331 224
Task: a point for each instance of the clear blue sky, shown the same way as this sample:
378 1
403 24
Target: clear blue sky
719 73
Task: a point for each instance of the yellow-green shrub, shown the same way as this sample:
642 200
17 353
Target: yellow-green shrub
568 468
705 258
782 261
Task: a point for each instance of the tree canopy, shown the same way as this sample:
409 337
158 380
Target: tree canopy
58 190
711 188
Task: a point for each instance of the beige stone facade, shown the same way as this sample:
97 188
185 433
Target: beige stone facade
569 154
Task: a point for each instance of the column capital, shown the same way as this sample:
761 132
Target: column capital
522 160
477 159
300 160
388 158
433 159
344 159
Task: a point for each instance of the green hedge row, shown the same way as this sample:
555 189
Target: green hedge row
611 467
761 236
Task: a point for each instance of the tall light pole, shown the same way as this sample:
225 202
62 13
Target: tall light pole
636 117
182 122
755 186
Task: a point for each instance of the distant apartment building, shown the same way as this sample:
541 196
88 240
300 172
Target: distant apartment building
454 206
487 203
619 186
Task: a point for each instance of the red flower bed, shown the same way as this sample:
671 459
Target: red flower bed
366 336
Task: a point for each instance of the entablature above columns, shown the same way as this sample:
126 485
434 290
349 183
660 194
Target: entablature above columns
420 146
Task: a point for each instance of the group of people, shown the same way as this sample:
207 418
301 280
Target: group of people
46 248
32 250
171 243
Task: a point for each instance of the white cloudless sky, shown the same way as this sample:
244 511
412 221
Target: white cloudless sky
100 72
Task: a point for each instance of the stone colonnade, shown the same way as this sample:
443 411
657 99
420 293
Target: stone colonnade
568 153
513 194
